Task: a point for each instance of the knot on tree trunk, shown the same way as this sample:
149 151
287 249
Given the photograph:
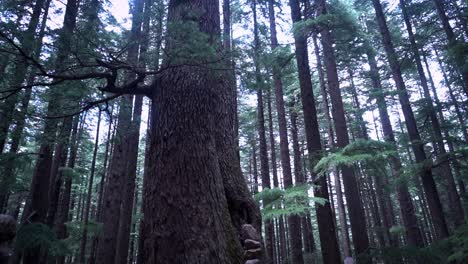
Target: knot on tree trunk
252 242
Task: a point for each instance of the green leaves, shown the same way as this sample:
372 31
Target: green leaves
360 151
292 201
39 235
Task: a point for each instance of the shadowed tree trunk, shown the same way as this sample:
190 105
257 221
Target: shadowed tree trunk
27 43
7 179
38 201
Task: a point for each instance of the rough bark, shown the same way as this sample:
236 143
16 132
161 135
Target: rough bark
185 175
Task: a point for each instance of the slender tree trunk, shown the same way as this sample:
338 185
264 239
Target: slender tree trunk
84 236
458 111
65 198
331 142
273 168
17 133
454 161
445 170
411 125
284 145
355 209
92 254
413 234
264 170
127 203
328 240
307 234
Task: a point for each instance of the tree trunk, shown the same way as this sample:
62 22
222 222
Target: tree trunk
331 142
27 43
411 125
328 240
65 197
413 234
185 176
355 209
84 235
264 170
17 133
441 153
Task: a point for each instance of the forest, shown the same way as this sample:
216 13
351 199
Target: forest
233 131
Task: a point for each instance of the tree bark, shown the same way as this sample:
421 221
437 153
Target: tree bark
452 41
188 177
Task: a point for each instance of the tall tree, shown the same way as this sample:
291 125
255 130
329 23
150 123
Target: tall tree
445 169
355 208
328 241
429 185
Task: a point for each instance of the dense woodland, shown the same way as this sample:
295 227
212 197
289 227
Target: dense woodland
234 131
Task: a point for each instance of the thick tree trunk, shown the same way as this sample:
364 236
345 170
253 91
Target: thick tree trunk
188 169
355 209
411 125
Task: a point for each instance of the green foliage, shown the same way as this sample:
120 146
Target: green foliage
39 235
291 201
359 151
